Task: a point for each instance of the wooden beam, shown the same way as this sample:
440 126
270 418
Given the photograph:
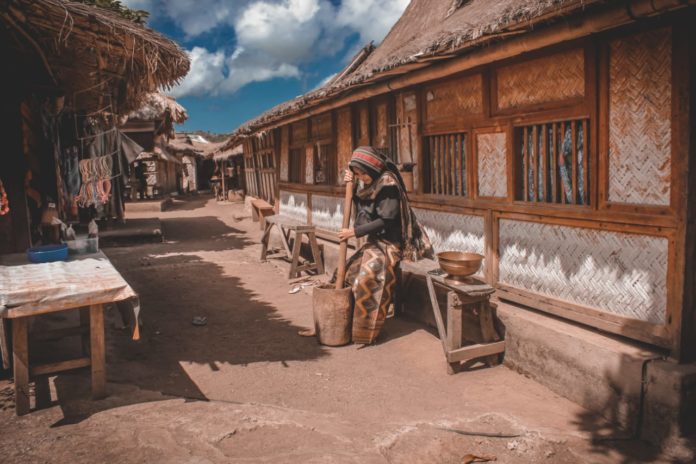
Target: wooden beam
684 97
62 366
476 351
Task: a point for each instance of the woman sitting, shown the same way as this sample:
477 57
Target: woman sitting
384 216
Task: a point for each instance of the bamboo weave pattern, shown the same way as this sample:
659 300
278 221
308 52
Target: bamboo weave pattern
293 206
640 95
492 164
454 98
327 212
453 232
622 274
548 79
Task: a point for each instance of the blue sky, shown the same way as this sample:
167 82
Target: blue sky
249 55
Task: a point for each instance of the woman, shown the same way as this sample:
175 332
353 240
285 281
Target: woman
384 216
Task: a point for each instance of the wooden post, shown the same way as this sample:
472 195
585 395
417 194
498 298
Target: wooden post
222 174
454 328
343 247
97 351
20 354
43 392
684 345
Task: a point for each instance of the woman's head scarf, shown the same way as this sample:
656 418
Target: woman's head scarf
374 163
416 243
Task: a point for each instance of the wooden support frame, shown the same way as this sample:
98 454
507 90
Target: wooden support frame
24 371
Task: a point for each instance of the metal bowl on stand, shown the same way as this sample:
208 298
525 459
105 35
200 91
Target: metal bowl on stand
459 264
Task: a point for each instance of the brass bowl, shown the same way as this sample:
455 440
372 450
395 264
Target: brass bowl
458 264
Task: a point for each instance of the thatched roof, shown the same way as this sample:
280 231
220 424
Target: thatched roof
92 53
186 144
155 106
427 32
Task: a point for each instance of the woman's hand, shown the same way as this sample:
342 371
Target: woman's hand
345 234
348 177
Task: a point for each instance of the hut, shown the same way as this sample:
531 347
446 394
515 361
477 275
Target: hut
152 127
76 70
556 138
196 154
229 161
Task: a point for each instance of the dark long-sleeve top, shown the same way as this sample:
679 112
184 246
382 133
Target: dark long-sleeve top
379 218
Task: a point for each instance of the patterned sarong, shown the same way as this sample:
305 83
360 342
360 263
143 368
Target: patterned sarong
371 272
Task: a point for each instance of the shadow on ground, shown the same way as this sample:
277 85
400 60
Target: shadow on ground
175 285
189 202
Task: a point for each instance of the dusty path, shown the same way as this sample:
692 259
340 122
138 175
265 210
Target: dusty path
246 388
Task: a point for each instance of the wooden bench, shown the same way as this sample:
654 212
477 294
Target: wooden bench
286 226
471 294
260 210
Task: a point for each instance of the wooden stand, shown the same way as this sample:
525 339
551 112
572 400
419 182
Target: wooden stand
286 226
472 294
260 210
23 371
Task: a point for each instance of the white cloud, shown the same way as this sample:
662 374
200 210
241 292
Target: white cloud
372 19
214 73
274 37
286 31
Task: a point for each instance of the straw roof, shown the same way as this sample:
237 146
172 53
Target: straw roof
185 144
98 58
155 106
427 32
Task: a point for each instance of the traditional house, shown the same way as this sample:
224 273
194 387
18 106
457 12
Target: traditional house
76 68
196 154
557 139
152 127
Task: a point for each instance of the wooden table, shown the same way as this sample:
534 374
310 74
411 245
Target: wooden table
472 293
86 283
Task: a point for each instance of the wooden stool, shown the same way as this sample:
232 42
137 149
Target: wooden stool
473 294
260 210
286 226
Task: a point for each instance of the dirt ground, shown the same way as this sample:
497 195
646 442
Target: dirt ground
245 388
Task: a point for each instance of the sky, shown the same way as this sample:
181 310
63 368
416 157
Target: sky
249 55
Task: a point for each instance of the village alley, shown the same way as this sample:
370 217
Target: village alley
245 387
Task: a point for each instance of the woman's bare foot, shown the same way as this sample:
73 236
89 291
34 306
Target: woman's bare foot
307 333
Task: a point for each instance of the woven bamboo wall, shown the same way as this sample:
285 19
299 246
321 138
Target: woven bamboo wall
284 153
543 80
623 274
640 95
453 232
327 212
454 98
492 164
293 205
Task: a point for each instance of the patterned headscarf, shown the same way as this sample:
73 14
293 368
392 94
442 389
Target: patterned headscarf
415 241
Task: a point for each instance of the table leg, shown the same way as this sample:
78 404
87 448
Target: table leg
97 349
84 322
43 392
316 253
4 345
436 312
488 332
295 256
20 354
264 241
454 328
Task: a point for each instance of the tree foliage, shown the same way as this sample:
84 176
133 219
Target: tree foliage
137 16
